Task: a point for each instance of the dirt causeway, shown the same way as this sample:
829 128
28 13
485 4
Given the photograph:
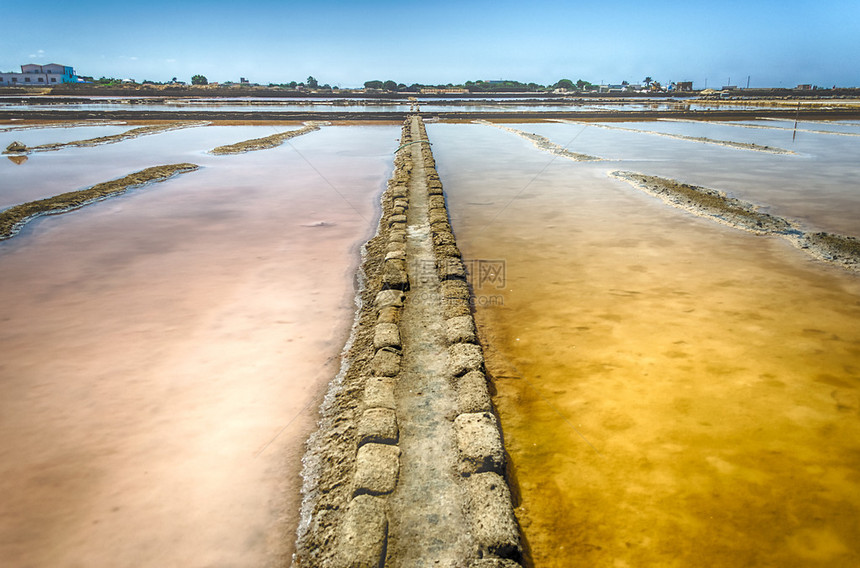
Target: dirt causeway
266 142
408 466
13 219
112 139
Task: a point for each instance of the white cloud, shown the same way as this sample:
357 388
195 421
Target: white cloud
38 55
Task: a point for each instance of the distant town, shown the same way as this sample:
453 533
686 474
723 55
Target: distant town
54 75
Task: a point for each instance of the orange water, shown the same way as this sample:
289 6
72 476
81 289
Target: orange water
672 392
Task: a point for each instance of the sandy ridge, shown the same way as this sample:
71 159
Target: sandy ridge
727 143
112 139
713 204
63 125
266 142
543 143
13 219
737 125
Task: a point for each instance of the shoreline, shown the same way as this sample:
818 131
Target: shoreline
399 116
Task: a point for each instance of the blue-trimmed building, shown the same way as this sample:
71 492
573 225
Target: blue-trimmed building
33 75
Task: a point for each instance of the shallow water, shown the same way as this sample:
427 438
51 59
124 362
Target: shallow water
818 187
672 392
165 352
49 173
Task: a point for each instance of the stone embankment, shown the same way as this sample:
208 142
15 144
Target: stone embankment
13 219
408 466
716 205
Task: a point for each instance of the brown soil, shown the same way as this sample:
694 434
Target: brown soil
12 220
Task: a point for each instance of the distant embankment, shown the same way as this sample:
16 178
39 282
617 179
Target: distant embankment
398 116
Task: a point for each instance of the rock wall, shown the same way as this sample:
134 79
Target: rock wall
353 462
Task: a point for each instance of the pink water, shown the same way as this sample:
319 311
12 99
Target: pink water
164 353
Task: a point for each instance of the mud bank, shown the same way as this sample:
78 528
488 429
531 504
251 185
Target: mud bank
727 143
717 206
266 142
408 466
543 143
30 126
12 220
112 139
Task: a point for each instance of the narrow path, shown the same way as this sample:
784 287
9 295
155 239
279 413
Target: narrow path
407 468
428 526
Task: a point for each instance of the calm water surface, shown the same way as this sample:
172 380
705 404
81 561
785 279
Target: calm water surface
818 186
672 392
164 352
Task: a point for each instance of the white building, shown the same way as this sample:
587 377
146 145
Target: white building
33 75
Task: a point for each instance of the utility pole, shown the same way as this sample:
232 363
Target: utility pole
748 81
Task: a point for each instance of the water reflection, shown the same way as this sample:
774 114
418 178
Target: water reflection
17 160
672 392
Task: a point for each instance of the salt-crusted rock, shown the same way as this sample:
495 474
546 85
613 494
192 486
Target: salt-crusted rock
15 147
379 392
491 516
464 357
479 443
386 363
364 533
389 298
461 329
386 335
472 393
377 467
378 426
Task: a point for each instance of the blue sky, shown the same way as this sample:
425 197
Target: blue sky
346 43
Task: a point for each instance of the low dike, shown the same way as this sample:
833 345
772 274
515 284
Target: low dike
408 466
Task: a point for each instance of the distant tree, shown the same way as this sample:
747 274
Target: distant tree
389 85
292 84
583 85
312 83
647 81
199 80
373 84
401 87
564 84
625 83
